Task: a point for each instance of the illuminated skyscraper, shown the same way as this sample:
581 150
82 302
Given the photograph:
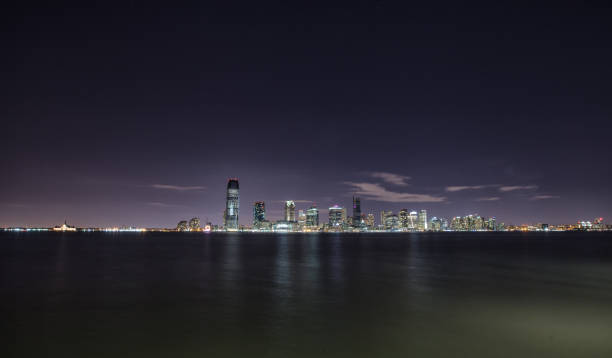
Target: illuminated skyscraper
312 217
370 221
413 219
435 224
232 205
182 226
383 217
194 224
422 217
259 214
391 222
403 218
290 210
301 219
336 216
356 212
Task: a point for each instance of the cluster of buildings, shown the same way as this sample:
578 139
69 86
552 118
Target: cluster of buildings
338 220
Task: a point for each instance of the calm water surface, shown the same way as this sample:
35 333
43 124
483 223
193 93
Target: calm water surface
306 295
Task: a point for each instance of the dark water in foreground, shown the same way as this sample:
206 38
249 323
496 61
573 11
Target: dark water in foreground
306 295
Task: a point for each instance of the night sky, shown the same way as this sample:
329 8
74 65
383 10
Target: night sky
136 113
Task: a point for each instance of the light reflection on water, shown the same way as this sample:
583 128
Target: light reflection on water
307 295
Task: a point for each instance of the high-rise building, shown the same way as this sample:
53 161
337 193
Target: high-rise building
383 218
232 205
312 217
337 216
422 220
435 224
413 220
391 222
370 221
290 210
182 226
259 214
194 224
356 212
404 219
301 219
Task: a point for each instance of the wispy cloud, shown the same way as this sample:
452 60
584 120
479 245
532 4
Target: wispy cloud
295 201
376 192
391 178
544 197
465 187
178 187
158 204
507 188
489 198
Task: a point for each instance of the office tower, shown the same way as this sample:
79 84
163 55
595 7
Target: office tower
356 212
383 217
456 224
370 221
435 224
259 214
301 219
289 211
413 220
391 222
490 224
232 205
312 217
404 219
194 224
422 220
336 216
182 225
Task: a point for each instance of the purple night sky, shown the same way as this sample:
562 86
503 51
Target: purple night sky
137 114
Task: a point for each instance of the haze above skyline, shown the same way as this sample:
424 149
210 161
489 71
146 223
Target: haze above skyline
136 114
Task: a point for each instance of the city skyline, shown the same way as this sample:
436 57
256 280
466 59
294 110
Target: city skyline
339 218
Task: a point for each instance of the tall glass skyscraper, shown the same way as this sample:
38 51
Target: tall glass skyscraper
422 225
259 213
356 212
289 210
232 205
336 216
312 217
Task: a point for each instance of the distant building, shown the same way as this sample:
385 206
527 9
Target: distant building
290 210
391 222
312 217
232 205
435 224
194 224
337 216
301 219
404 219
182 226
259 214
64 227
284 226
383 218
422 220
356 212
413 220
369 221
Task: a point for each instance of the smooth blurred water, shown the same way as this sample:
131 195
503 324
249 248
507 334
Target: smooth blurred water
305 295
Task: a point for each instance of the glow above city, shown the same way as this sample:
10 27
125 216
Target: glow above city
115 119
